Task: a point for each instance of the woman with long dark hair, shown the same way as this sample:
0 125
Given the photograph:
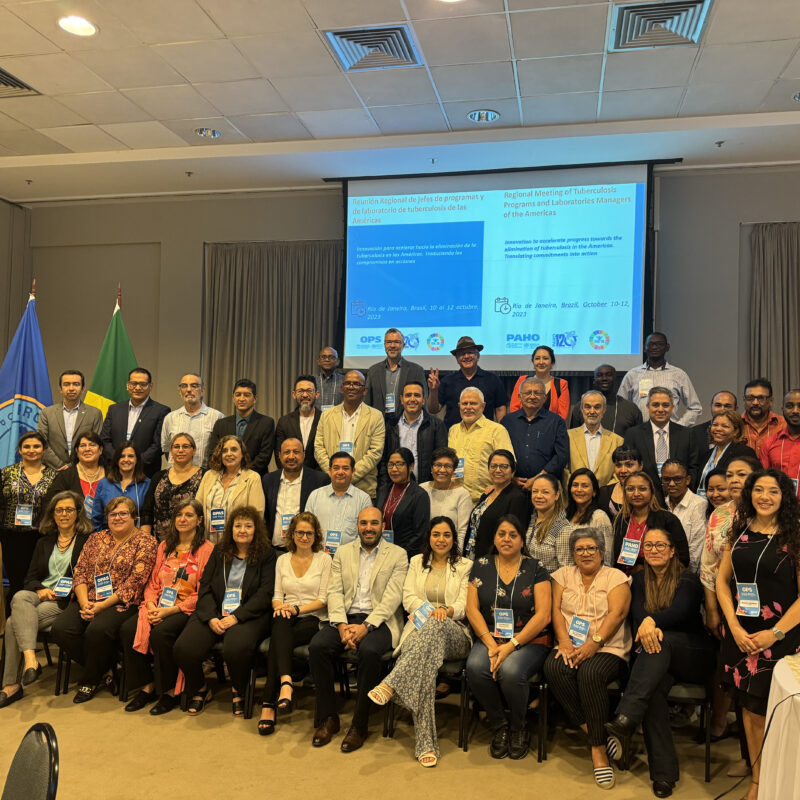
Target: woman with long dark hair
125 478
583 508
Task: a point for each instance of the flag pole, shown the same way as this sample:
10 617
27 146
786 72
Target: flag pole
119 295
33 288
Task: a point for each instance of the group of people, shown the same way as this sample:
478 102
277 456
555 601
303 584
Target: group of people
617 550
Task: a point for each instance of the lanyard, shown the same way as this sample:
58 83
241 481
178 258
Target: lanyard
497 584
763 550
399 500
113 553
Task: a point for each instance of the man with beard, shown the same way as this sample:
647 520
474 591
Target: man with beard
760 421
782 451
302 422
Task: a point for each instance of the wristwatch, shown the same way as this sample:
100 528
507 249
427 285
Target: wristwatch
778 634
516 643
598 639
369 626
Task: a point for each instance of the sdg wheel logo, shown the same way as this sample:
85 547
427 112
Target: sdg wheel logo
599 339
435 342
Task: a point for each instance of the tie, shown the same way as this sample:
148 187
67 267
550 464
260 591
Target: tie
662 453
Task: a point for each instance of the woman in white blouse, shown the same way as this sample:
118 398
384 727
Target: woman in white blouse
299 606
583 509
435 597
447 500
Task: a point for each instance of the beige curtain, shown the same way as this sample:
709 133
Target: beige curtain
775 303
268 308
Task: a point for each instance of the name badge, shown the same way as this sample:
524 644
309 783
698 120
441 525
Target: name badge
420 616
169 596
345 447
102 586
332 541
645 385
217 520
88 505
794 483
389 403
629 554
24 515
659 464
285 520
231 601
578 630
749 603
325 408
459 471
503 623
63 587
389 536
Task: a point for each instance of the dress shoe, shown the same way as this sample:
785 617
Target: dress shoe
140 700
31 674
8 699
499 746
518 744
324 733
619 731
353 740
84 694
165 704
662 788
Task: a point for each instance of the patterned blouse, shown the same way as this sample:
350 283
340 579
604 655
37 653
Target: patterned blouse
18 490
181 570
553 551
162 498
129 565
717 530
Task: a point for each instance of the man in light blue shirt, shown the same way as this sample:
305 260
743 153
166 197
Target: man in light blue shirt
194 418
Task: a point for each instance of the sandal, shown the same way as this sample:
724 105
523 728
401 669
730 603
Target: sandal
442 690
286 705
237 705
198 703
266 726
381 694
428 759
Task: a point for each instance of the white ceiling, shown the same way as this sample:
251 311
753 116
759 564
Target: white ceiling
117 112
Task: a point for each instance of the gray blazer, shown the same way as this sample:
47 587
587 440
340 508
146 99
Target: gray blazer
51 426
376 385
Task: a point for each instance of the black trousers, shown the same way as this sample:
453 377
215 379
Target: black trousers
18 546
159 667
326 647
286 634
94 643
684 658
238 647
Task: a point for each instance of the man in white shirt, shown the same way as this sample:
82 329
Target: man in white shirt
195 418
686 506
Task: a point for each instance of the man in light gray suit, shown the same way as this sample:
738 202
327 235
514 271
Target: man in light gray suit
365 590
61 424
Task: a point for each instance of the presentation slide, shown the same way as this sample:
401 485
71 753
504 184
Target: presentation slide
513 260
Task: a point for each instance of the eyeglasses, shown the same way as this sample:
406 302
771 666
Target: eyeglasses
138 384
352 384
660 546
396 464
446 467
393 341
304 534
756 398
189 385
532 394
499 467
119 514
67 512
679 479
186 446
87 446
304 391
327 358
587 550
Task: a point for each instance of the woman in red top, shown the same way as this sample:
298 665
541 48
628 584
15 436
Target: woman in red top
557 398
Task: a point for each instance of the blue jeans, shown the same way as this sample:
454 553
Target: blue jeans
511 687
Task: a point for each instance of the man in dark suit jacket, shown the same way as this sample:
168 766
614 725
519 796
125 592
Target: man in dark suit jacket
138 420
302 422
721 401
387 378
677 438
278 514
257 431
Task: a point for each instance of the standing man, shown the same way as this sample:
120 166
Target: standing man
447 391
760 421
195 418
686 506
61 424
302 422
387 379
140 421
620 414
591 445
782 451
257 431
656 371
365 591
328 380
721 401
356 428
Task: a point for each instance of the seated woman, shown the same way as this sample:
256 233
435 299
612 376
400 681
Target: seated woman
235 593
435 597
590 604
448 500
503 497
583 510
169 599
673 648
108 582
627 460
300 604
46 592
125 478
406 508
716 490
173 485
85 472
508 607
547 537
229 484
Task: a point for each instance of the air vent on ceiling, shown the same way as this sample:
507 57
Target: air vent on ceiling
14 87
658 24
373 48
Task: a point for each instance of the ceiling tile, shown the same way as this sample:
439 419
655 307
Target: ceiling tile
131 68
559 109
316 94
19 39
56 73
746 21
640 104
242 97
704 99
559 75
338 124
457 114
271 127
793 70
157 21
104 107
526 5
171 102
559 32
646 69
29 143
140 135
409 119
751 61
485 81
280 56
185 129
83 138
464 40
207 61
4 151
353 13
10 124
249 17
39 112
434 9
780 97
393 86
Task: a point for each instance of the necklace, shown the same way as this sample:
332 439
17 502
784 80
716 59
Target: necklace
89 478
64 547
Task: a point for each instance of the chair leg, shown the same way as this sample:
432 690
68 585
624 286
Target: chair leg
46 648
250 693
59 671
67 668
462 712
543 700
707 725
123 684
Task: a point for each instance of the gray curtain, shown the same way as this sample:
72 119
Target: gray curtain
268 308
775 302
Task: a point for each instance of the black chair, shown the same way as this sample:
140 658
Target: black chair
34 771
219 667
64 667
299 654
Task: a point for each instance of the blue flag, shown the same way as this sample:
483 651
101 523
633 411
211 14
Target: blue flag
24 384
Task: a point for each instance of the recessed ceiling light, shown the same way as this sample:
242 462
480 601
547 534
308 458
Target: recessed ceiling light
796 97
208 133
483 115
77 26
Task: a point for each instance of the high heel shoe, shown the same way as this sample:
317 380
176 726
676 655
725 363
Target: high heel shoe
198 703
266 726
286 706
